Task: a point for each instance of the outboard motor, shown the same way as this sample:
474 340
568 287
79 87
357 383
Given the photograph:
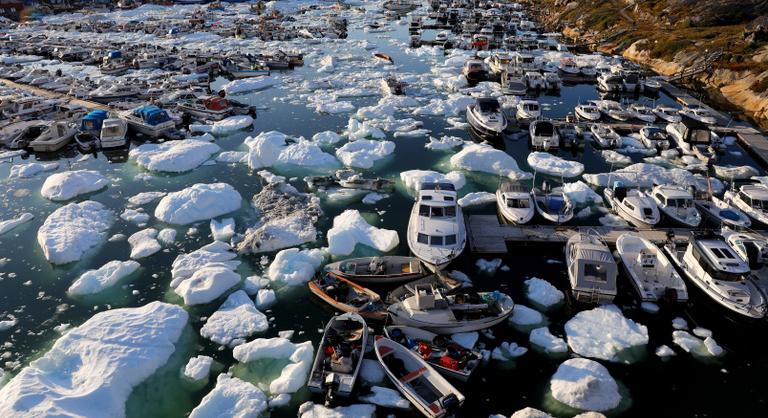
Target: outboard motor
754 255
450 402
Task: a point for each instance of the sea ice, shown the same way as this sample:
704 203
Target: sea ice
466 339
207 284
613 157
9 224
444 143
585 384
371 371
248 85
265 298
173 156
476 199
326 138
508 351
293 376
664 351
295 267
231 397
581 194
22 171
363 153
167 236
735 173
198 368
542 293
70 184
523 316
72 230
528 413
603 333
648 175
144 243
198 202
94 281
388 398
485 158
223 230
546 163
488 266
548 342
215 254
350 228
313 410
236 319
137 216
413 179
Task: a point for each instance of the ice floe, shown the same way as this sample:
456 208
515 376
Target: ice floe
198 202
476 199
222 230
604 333
700 347
295 267
137 216
585 384
294 374
546 163
198 368
27 170
173 156
551 344
12 223
73 229
388 398
413 179
145 197
485 158
542 293
235 320
313 410
94 281
231 397
444 143
70 184
144 243
248 85
647 175
363 153
350 228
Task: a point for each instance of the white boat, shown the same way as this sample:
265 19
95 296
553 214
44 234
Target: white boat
654 138
379 269
676 203
149 120
513 84
447 357
553 205
528 110
632 205
591 269
210 107
339 356
113 133
753 249
651 86
429 392
543 135
587 71
588 112
649 270
668 114
553 81
500 62
487 117
699 113
515 203
17 135
113 93
609 82
436 231
693 138
752 199
604 135
475 70
712 265
54 137
613 110
642 113
29 106
568 67
429 308
720 213
535 81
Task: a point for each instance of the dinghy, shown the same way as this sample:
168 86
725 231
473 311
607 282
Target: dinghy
719 213
447 357
378 270
649 270
348 296
339 356
429 392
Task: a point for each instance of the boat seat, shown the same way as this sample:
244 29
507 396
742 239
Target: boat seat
412 375
385 351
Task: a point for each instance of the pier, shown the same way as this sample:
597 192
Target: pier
53 95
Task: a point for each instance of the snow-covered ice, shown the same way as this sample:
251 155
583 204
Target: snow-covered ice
295 267
198 368
231 397
145 197
546 163
542 293
236 319
70 184
313 410
173 156
294 374
476 199
585 384
413 179
248 85
22 171
604 333
207 284
350 228
444 143
485 158
388 398
371 371
73 229
198 202
222 230
363 153
12 223
549 343
94 281
144 243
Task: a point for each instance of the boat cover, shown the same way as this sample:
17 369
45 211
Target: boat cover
152 115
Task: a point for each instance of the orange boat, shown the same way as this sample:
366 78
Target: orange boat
383 57
348 296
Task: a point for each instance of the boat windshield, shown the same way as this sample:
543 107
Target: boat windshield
700 136
437 211
760 204
595 272
489 105
518 203
679 203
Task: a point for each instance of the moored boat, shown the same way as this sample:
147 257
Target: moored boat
339 356
378 270
651 273
348 296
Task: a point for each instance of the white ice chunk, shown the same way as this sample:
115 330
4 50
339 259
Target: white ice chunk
9 224
293 376
585 384
371 371
198 368
94 281
388 398
413 179
173 156
546 163
23 171
485 158
144 243
250 84
350 229
363 153
313 410
525 316
542 293
137 216
167 236
550 343
476 199
145 197
197 203
603 333
72 230
70 184
237 318
231 397
207 284
265 298
223 230
295 267
444 143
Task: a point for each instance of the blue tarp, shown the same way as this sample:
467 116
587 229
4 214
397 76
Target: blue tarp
152 115
93 120
115 54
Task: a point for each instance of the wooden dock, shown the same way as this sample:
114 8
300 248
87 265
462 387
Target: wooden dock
53 95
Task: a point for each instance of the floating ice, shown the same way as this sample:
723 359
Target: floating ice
22 171
488 266
476 199
350 229
313 410
357 130
508 351
167 236
70 184
137 216
585 384
198 368
523 316
581 194
372 198
466 339
94 281
198 202
444 143
604 333
92 369
613 220
231 397
144 243
207 284
388 398
546 163
295 267
548 342
485 158
413 179
236 319
293 376
6 325
542 293
72 230
363 153
735 173
649 307
527 413
706 347
214 254
232 157
270 148
679 323
265 298
664 351
648 175
223 230
12 223
173 156
371 371
326 138
613 157
248 85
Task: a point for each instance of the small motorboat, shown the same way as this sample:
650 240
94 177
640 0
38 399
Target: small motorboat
543 135
429 308
552 204
87 138
588 112
475 70
751 199
379 269
700 114
613 110
113 133
348 296
569 135
649 270
427 390
534 80
447 357
339 356
436 232
654 138
486 117
206 108
605 136
591 269
719 213
18 135
528 110
149 120
383 57
668 114
693 138
676 203
642 113
54 137
447 283
353 180
752 248
513 84
515 203
632 205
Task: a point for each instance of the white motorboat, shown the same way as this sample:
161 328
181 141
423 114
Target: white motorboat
588 71
535 81
427 390
604 135
753 249
28 106
116 92
654 138
700 114
379 269
588 111
543 135
591 269
613 110
487 117
475 70
528 110
553 81
693 138
720 213
447 356
568 67
609 82
113 133
210 107
436 231
710 263
149 120
430 309
642 113
54 137
339 356
632 205
515 203
18 135
500 62
553 205
649 270
752 199
676 203
668 114
513 84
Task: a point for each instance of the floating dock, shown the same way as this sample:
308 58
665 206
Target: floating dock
53 95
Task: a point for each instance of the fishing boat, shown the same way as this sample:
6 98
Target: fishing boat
676 203
605 136
339 356
54 137
699 114
87 138
429 308
383 57
18 135
591 269
752 200
448 283
391 86
113 133
613 110
515 203
486 117
711 265
447 356
436 232
552 204
651 273
513 84
353 180
534 80
719 213
543 135
379 269
206 108
632 205
654 138
348 296
427 390
149 120
587 111
667 113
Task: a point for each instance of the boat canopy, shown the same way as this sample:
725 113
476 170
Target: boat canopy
114 54
216 103
93 120
152 115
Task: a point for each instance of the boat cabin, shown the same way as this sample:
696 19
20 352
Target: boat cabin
718 259
593 268
93 120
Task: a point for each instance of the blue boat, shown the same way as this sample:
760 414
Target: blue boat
150 120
